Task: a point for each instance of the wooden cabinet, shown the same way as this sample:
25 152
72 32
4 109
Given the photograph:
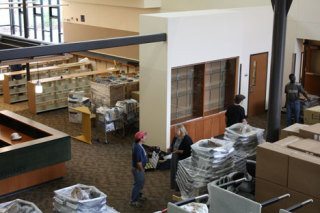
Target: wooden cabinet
200 94
56 90
311 67
15 83
204 127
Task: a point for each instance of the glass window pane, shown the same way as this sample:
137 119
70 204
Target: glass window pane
182 92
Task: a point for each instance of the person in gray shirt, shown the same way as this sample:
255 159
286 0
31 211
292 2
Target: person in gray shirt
293 90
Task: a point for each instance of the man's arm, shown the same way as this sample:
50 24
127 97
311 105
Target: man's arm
140 167
304 93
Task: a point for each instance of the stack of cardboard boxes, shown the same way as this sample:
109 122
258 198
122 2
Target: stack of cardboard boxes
291 165
312 115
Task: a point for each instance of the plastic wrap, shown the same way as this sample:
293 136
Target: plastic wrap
245 137
19 206
80 199
196 207
128 106
210 159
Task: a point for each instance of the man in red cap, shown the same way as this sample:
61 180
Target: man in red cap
139 160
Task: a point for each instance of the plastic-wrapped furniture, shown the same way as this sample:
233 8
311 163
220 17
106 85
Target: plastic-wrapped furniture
222 200
80 199
20 206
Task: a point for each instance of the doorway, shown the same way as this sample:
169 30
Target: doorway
311 71
257 83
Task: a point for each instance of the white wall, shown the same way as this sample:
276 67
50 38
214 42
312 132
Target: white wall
180 5
124 3
106 16
303 23
194 37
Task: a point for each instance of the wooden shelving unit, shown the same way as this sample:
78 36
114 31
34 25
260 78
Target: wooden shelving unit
56 90
15 83
199 95
40 61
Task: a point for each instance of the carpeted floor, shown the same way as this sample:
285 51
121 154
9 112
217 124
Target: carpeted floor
106 166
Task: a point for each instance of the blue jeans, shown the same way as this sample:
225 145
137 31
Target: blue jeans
137 185
293 110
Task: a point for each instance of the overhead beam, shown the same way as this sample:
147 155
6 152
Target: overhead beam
30 52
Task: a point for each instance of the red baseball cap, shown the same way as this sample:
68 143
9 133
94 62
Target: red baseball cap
139 135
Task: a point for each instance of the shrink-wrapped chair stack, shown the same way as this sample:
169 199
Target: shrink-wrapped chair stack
245 138
210 159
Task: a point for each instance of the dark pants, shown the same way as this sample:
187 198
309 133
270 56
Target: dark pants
173 171
293 111
137 185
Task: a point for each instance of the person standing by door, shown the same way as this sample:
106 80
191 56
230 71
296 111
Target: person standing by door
293 90
235 113
139 160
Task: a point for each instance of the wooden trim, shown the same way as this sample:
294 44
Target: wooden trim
6 89
32 178
50 68
31 97
36 61
52 133
75 75
79 54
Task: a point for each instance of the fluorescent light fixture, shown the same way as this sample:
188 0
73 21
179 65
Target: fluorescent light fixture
1 75
39 88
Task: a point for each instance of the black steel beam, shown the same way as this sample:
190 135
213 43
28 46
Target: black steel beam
25 19
277 64
29 52
59 23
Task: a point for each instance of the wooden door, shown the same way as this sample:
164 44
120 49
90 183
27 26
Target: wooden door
311 70
257 83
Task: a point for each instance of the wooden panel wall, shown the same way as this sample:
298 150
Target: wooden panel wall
204 127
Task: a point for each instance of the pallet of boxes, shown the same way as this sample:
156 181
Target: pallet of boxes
106 93
290 165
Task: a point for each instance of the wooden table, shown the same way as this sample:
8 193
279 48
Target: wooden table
86 124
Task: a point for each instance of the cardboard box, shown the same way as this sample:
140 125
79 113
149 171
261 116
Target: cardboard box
272 163
135 95
292 163
304 174
266 190
75 116
312 132
287 141
130 87
312 115
307 146
292 130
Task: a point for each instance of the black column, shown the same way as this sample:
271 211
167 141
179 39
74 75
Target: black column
26 32
25 19
281 8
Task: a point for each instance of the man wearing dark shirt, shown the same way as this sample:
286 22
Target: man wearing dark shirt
235 113
293 90
139 160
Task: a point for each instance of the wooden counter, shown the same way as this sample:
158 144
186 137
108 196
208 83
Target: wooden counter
37 158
